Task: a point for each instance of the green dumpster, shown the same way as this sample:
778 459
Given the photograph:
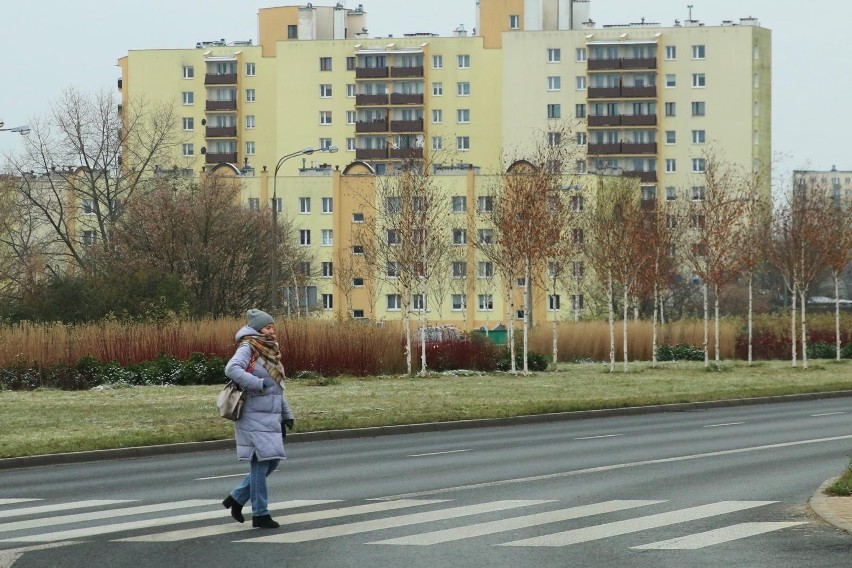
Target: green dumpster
498 334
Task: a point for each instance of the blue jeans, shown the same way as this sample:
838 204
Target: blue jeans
253 486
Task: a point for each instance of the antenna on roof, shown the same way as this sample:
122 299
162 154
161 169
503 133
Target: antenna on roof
690 11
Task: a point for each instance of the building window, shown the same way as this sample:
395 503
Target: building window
463 143
580 166
188 149
463 89
327 269
327 301
698 165
325 91
484 203
698 52
670 109
437 143
671 137
458 302
325 117
249 121
577 236
351 145
358 249
305 237
327 237
277 204
327 205
304 205
581 54
188 123
581 83
554 139
188 72
485 302
671 81
459 237
437 116
325 143
463 115
756 109
671 165
250 69
350 64
671 221
305 269
577 269
485 269
357 282
325 63
554 111
292 31
88 206
350 117
393 237
699 80
89 238
554 55
514 22
553 302
577 302
459 269
582 139
188 97
464 61
671 193
578 204
554 83
358 314
698 108
418 302
394 302
437 62
437 89
698 221
254 204
250 148
671 52
459 203
698 193
486 236
698 137
580 110
250 95
357 217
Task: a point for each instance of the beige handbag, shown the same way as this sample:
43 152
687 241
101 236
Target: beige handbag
231 400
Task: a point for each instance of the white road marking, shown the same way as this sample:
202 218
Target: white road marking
392 522
504 525
96 515
726 424
60 507
607 530
289 520
14 501
10 556
222 476
602 436
717 536
827 414
613 467
439 453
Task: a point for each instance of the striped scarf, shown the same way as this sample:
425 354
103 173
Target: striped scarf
267 349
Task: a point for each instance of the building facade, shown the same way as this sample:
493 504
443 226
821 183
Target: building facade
642 99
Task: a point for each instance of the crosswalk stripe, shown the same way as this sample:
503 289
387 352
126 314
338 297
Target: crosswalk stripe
717 536
288 520
639 524
391 522
15 501
97 515
504 525
60 507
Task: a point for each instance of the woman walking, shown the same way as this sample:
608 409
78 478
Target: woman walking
256 367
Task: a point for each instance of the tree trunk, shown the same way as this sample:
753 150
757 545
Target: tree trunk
793 298
555 332
609 297
803 302
527 302
510 331
654 326
750 315
406 319
423 340
837 349
624 331
706 327
716 322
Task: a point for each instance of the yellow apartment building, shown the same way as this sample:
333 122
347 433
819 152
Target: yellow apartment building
644 99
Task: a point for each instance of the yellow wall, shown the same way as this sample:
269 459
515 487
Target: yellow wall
272 26
494 19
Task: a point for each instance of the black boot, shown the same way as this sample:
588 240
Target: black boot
236 508
264 522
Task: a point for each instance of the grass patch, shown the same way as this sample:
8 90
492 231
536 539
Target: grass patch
843 486
50 421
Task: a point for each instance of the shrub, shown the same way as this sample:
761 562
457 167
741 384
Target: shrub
821 350
472 351
680 352
535 361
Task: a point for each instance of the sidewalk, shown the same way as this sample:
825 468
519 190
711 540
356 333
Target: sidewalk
836 511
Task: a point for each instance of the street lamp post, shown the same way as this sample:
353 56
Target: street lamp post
22 130
273 258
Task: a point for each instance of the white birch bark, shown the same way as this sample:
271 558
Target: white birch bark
609 297
526 327
750 315
706 326
793 298
624 331
803 302
716 322
654 326
836 276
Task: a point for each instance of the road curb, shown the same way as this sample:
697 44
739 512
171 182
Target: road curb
821 504
325 435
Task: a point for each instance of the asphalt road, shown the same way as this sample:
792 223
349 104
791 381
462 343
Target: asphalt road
721 487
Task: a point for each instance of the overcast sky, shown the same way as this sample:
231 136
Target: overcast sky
49 45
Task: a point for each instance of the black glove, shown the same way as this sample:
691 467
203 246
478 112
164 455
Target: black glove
286 424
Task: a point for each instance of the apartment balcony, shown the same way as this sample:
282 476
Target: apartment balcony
639 92
401 99
605 120
221 132
371 72
648 204
406 153
639 63
407 125
604 149
603 64
215 79
604 93
372 126
371 100
400 72
639 120
220 158
647 177
221 105
371 153
639 149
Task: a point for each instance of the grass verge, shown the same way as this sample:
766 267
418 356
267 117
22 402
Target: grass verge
52 421
843 486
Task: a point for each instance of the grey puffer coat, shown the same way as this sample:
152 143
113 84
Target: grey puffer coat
258 431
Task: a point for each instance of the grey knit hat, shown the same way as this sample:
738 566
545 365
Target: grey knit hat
258 319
